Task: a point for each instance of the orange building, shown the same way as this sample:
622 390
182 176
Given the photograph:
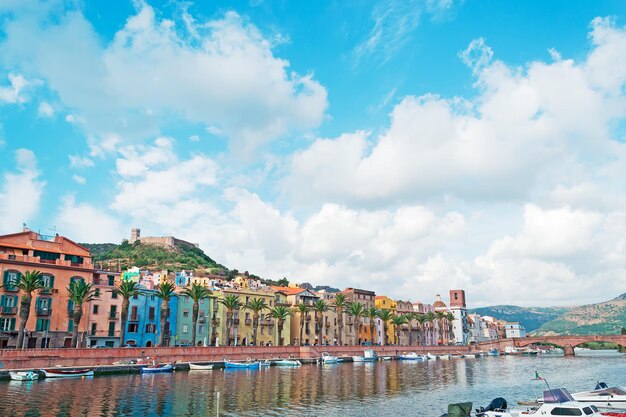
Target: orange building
367 298
103 314
60 260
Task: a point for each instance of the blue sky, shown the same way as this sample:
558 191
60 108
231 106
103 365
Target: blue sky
409 147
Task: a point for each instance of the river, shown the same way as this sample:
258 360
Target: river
395 388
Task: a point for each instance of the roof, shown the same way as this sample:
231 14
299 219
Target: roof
288 290
439 304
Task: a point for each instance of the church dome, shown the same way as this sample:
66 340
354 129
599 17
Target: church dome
438 303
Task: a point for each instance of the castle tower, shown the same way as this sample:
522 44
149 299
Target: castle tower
135 234
457 298
458 308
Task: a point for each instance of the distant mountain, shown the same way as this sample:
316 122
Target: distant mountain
530 317
608 317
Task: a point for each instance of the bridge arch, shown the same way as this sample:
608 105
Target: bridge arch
568 343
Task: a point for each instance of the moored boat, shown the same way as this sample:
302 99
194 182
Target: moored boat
411 356
431 356
604 397
266 362
368 356
445 356
327 358
64 373
156 369
24 376
249 364
288 362
493 352
200 367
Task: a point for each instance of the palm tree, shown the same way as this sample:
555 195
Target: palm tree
164 291
79 293
450 319
430 319
421 319
126 290
371 313
356 310
303 310
320 307
232 303
410 317
440 317
27 283
385 315
340 304
256 305
197 292
398 321
280 314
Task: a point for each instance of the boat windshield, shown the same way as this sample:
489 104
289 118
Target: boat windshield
557 395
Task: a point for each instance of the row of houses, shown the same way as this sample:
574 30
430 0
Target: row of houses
62 261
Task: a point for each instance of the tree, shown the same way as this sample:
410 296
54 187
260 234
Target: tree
450 319
79 293
280 314
371 313
356 310
164 291
231 303
430 319
256 305
126 290
385 315
410 317
303 310
27 283
398 321
283 282
440 318
421 319
320 307
340 304
196 292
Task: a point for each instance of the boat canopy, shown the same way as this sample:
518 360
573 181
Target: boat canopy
557 395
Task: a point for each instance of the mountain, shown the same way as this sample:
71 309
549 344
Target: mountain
530 317
608 317
143 255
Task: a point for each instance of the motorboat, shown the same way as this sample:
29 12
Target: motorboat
458 356
266 362
493 352
24 376
431 356
248 364
288 362
368 356
157 369
412 356
200 367
512 351
470 355
327 358
530 352
603 397
64 373
385 358
445 356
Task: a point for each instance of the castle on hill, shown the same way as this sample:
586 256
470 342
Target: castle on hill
165 241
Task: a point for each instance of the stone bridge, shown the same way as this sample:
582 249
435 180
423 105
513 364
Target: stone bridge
567 343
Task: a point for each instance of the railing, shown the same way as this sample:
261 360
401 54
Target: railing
45 291
43 312
248 322
202 319
8 310
11 288
113 315
134 317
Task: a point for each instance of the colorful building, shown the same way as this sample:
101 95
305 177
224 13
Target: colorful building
144 318
460 328
359 332
295 296
103 313
184 321
384 302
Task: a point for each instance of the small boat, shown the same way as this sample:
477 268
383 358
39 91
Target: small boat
411 356
470 355
156 369
445 356
385 358
266 362
603 396
24 376
63 373
327 358
199 367
530 352
249 364
431 356
288 362
339 360
458 356
493 352
368 356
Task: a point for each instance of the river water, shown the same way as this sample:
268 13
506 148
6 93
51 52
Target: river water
395 388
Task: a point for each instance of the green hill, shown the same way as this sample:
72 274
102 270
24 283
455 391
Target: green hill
530 317
608 317
144 255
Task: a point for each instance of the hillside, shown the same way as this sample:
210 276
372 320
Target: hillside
151 256
530 317
608 317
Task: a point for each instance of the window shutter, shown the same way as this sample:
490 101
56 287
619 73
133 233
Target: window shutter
5 279
51 281
12 325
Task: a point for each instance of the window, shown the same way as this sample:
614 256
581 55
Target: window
95 309
97 292
185 328
73 259
151 313
46 256
111 328
133 328
185 313
133 313
8 301
262 329
562 411
113 312
151 328
70 326
7 324
42 325
186 299
111 279
201 329
202 301
135 296
93 328
114 295
47 281
587 411
10 280
152 298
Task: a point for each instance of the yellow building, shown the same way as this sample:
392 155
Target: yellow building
384 302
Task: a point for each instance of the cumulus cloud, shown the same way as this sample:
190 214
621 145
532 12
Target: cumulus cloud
13 93
77 161
86 223
21 192
221 73
45 110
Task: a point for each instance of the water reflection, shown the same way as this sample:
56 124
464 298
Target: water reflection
379 389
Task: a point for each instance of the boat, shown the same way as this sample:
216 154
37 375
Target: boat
248 364
327 358
512 351
288 362
493 352
64 373
368 356
385 358
458 356
445 356
266 362
431 356
157 369
411 356
530 352
603 396
470 355
24 376
199 367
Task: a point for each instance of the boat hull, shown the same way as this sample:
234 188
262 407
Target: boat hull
157 370
197 367
362 359
242 365
288 363
23 376
52 373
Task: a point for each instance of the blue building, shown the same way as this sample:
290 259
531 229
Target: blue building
144 316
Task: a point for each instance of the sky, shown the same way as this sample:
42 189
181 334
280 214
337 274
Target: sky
409 147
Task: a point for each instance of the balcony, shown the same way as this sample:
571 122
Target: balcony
113 315
202 319
307 318
235 321
134 317
44 312
248 322
10 288
8 311
45 291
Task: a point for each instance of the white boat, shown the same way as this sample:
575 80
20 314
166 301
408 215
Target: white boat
368 356
266 362
327 358
445 356
431 356
556 402
603 397
24 376
157 369
62 373
199 367
412 356
470 355
288 362
385 358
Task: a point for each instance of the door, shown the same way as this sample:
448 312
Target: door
32 342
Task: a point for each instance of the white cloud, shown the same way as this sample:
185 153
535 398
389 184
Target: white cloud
77 161
194 138
79 180
45 110
13 92
21 192
85 223
221 73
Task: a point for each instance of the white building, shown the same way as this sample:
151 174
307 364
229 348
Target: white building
460 328
514 329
